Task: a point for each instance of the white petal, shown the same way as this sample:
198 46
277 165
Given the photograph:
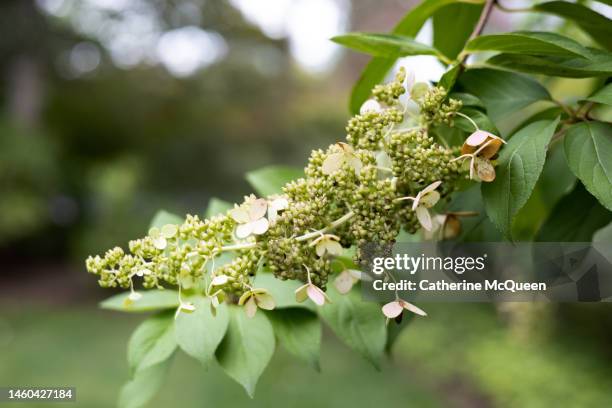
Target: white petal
257 209
430 199
332 163
316 295
169 230
244 230
279 204
344 282
413 308
301 293
392 309
346 148
160 242
355 274
239 215
431 187
265 301
383 159
333 247
416 201
355 163
320 248
410 80
250 307
477 138
371 105
219 280
260 226
424 217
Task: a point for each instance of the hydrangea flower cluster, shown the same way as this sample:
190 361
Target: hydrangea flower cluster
388 175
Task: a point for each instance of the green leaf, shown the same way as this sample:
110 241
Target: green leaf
150 300
481 119
360 324
519 166
152 342
199 333
299 331
283 291
394 330
599 63
384 45
597 26
377 68
271 179
247 348
575 218
603 95
452 26
502 92
143 385
528 42
468 100
163 217
588 149
548 113
217 206
449 78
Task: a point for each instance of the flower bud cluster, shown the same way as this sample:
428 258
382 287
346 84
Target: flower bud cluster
436 109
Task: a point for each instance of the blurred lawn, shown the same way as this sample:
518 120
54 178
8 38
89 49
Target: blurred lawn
460 356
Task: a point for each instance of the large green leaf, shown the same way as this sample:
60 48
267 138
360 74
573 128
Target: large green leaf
271 179
481 119
199 333
299 331
150 300
575 218
502 92
377 68
217 206
452 26
152 342
163 217
360 324
247 347
588 149
449 78
143 385
603 95
519 167
528 42
384 45
597 26
283 291
599 63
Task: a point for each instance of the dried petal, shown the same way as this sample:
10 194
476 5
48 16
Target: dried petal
484 170
491 149
477 138
344 282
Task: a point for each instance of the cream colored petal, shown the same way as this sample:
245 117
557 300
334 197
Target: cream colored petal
301 293
257 209
260 226
245 296
346 148
477 138
332 163
219 280
187 307
416 201
344 282
169 230
316 295
424 217
154 232
430 199
265 301
431 187
413 308
392 309
280 203
244 230
240 215
333 247
160 242
250 307
371 105
321 248
410 80
355 163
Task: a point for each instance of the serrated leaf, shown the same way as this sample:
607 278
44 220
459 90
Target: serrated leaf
377 68
247 348
283 291
216 206
452 26
163 217
528 42
575 218
143 386
384 45
502 92
603 95
150 300
519 166
599 63
588 149
199 333
596 25
359 324
299 332
271 179
152 342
